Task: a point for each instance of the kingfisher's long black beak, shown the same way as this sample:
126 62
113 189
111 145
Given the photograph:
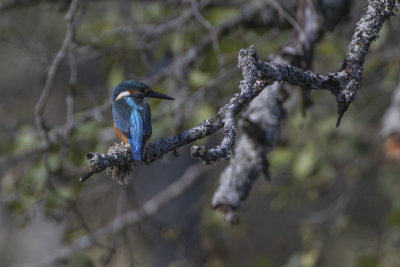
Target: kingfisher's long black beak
159 95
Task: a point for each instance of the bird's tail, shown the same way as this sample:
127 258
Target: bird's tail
137 154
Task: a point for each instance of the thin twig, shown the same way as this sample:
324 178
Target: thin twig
286 15
211 30
41 104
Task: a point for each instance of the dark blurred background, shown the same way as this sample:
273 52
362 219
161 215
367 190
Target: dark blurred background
333 198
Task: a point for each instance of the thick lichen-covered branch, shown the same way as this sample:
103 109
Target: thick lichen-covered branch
258 131
367 31
257 75
225 149
260 124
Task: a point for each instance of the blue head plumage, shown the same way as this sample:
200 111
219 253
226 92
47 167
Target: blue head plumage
129 85
131 114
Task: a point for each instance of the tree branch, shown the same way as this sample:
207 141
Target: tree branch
257 76
261 122
367 31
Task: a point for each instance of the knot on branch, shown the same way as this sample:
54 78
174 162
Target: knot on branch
210 156
344 99
225 150
246 56
117 161
227 201
248 63
349 83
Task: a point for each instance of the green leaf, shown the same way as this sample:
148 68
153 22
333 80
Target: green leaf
26 138
203 112
53 161
38 172
199 78
87 130
218 15
54 200
281 157
305 164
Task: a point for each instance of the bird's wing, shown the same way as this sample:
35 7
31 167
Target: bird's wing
139 131
121 113
136 134
147 122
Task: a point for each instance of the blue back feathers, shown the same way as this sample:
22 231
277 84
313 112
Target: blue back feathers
139 128
136 135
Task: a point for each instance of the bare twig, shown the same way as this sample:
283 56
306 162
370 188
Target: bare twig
285 14
211 30
41 104
70 98
6 5
148 30
71 92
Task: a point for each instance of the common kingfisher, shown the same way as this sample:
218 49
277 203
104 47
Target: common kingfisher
132 116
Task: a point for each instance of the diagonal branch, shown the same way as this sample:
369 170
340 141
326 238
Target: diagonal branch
367 31
149 208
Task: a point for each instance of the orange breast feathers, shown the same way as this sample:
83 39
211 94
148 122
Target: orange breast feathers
392 146
120 134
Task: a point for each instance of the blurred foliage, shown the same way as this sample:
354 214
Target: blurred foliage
333 200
